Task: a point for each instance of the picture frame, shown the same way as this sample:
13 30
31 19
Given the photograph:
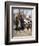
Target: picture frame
21 35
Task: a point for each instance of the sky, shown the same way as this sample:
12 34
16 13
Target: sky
26 11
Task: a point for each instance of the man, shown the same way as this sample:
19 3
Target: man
17 22
21 21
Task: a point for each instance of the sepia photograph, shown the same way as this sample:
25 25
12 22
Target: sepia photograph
21 21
